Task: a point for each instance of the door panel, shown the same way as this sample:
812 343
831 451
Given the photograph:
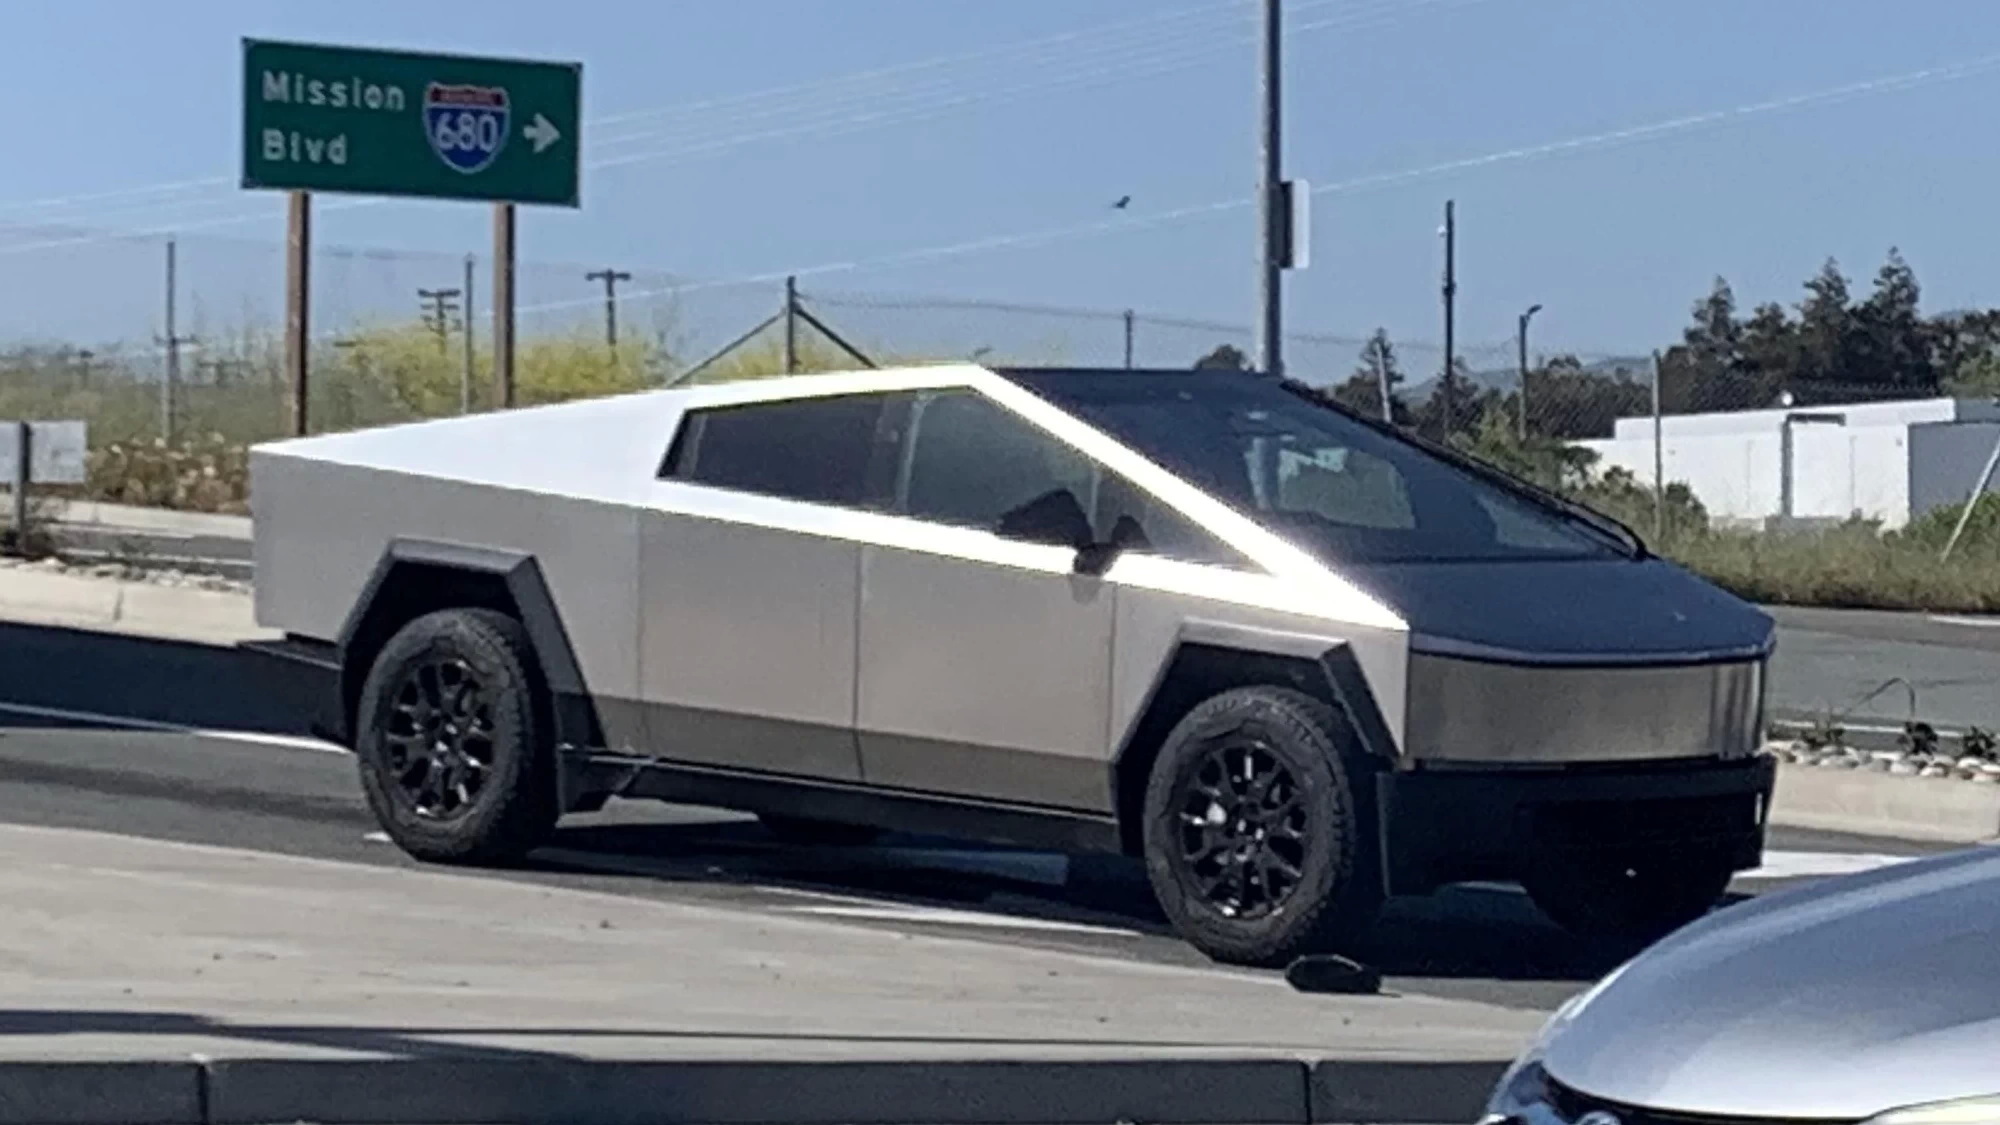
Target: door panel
983 679
747 645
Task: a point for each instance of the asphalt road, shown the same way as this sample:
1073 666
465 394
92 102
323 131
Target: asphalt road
62 765
1880 669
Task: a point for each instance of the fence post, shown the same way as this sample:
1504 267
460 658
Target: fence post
23 454
791 325
1659 460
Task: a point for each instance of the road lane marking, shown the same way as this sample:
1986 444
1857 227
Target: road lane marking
1975 622
1807 865
127 722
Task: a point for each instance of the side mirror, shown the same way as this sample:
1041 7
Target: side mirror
1093 559
1054 518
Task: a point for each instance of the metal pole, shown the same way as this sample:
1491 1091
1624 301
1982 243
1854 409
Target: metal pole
1659 459
1128 339
1382 382
1972 500
1523 340
465 361
791 324
1450 295
173 372
503 305
298 299
24 436
1270 276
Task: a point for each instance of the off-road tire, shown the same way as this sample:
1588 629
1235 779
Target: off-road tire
1336 895
515 809
1627 898
819 833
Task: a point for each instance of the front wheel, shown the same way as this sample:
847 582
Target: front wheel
1628 898
1255 846
454 756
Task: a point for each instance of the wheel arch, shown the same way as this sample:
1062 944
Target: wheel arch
1208 660
417 576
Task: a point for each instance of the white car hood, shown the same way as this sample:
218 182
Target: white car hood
1837 1001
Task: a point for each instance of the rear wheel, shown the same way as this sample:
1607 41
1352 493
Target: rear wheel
1254 845
452 748
1628 897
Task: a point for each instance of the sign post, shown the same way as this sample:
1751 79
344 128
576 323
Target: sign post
34 453
319 118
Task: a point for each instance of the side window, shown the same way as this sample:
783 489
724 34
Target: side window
820 450
971 462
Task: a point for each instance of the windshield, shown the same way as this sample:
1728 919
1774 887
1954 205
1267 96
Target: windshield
1324 480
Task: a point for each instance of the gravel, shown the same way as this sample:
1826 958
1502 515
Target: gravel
1947 762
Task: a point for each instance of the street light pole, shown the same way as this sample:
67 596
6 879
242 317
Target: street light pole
1523 340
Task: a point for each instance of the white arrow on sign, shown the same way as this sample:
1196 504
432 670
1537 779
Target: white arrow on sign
542 132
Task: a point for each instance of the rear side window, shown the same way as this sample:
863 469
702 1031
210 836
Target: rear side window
818 450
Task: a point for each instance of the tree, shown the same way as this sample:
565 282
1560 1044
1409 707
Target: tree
1892 344
1826 328
1364 390
1566 402
1226 357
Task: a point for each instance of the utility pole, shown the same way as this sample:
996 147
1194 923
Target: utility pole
438 313
1522 338
172 341
1129 318
1450 302
1270 277
610 278
465 365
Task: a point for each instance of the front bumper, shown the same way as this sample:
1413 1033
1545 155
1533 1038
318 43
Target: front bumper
1443 825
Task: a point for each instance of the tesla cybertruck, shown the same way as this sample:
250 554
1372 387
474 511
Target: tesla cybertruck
1295 659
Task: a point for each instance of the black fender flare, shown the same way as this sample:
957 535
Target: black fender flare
577 727
1331 671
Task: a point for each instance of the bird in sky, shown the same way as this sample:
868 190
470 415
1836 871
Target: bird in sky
1123 202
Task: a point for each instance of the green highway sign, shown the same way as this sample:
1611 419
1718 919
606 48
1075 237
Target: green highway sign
371 122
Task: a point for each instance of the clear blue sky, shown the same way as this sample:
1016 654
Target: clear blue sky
1616 240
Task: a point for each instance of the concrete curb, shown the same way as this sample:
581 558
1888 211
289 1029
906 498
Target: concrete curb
126 517
546 1091
1872 804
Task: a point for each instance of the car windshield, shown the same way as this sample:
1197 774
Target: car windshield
1327 481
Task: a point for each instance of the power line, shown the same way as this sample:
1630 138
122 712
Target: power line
823 117
810 93
1017 241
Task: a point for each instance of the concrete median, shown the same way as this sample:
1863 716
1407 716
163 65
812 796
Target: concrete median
559 1091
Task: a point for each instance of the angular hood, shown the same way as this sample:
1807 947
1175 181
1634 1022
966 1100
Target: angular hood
1582 611
1837 1000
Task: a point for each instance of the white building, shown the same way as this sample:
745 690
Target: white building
1890 461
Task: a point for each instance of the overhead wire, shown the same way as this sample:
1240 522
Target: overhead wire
825 118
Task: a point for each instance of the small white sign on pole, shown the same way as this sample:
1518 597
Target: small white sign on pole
57 452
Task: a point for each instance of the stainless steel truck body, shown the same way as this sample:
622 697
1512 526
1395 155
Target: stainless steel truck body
1296 659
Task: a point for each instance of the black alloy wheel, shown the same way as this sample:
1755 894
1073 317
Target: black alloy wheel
1255 845
453 743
